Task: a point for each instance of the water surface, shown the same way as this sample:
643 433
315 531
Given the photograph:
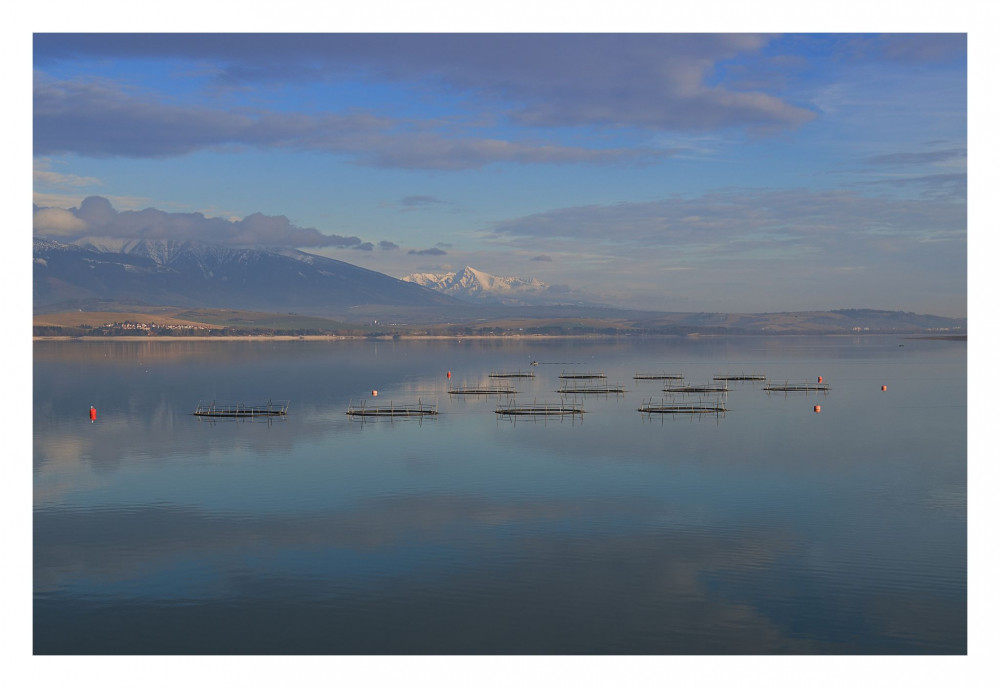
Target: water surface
769 529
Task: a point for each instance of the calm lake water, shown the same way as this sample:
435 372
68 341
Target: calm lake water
769 529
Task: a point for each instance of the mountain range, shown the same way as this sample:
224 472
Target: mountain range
187 273
115 275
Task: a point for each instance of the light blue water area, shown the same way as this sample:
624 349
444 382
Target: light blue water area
771 528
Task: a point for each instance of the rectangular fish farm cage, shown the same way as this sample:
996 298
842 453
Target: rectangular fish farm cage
491 389
697 389
797 387
511 373
591 389
392 409
741 376
239 409
544 409
683 407
658 376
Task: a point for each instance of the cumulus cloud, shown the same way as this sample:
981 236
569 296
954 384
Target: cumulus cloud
426 252
97 217
57 222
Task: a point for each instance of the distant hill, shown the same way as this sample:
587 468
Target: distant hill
858 320
193 274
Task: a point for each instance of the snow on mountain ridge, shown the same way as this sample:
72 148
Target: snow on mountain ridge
430 279
160 251
195 274
165 251
477 285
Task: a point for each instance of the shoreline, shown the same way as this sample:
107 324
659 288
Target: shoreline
305 338
451 337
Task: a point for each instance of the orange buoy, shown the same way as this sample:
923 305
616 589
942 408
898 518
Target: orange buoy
819 379
883 388
374 392
449 374
93 414
816 409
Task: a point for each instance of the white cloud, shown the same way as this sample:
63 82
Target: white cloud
743 223
96 216
58 222
105 120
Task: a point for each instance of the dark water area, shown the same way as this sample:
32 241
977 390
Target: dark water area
769 529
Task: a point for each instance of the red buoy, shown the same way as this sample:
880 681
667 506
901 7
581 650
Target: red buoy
374 392
883 388
819 379
449 374
93 414
816 409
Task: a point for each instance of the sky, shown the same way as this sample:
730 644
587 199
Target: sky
736 172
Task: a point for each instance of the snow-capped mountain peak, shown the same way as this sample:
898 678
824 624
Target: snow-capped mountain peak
475 285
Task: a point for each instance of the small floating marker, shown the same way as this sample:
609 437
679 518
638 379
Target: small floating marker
449 374
883 388
817 408
819 379
374 392
93 414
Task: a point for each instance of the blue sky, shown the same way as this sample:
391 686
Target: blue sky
678 172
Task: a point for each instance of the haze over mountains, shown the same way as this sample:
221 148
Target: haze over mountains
94 274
